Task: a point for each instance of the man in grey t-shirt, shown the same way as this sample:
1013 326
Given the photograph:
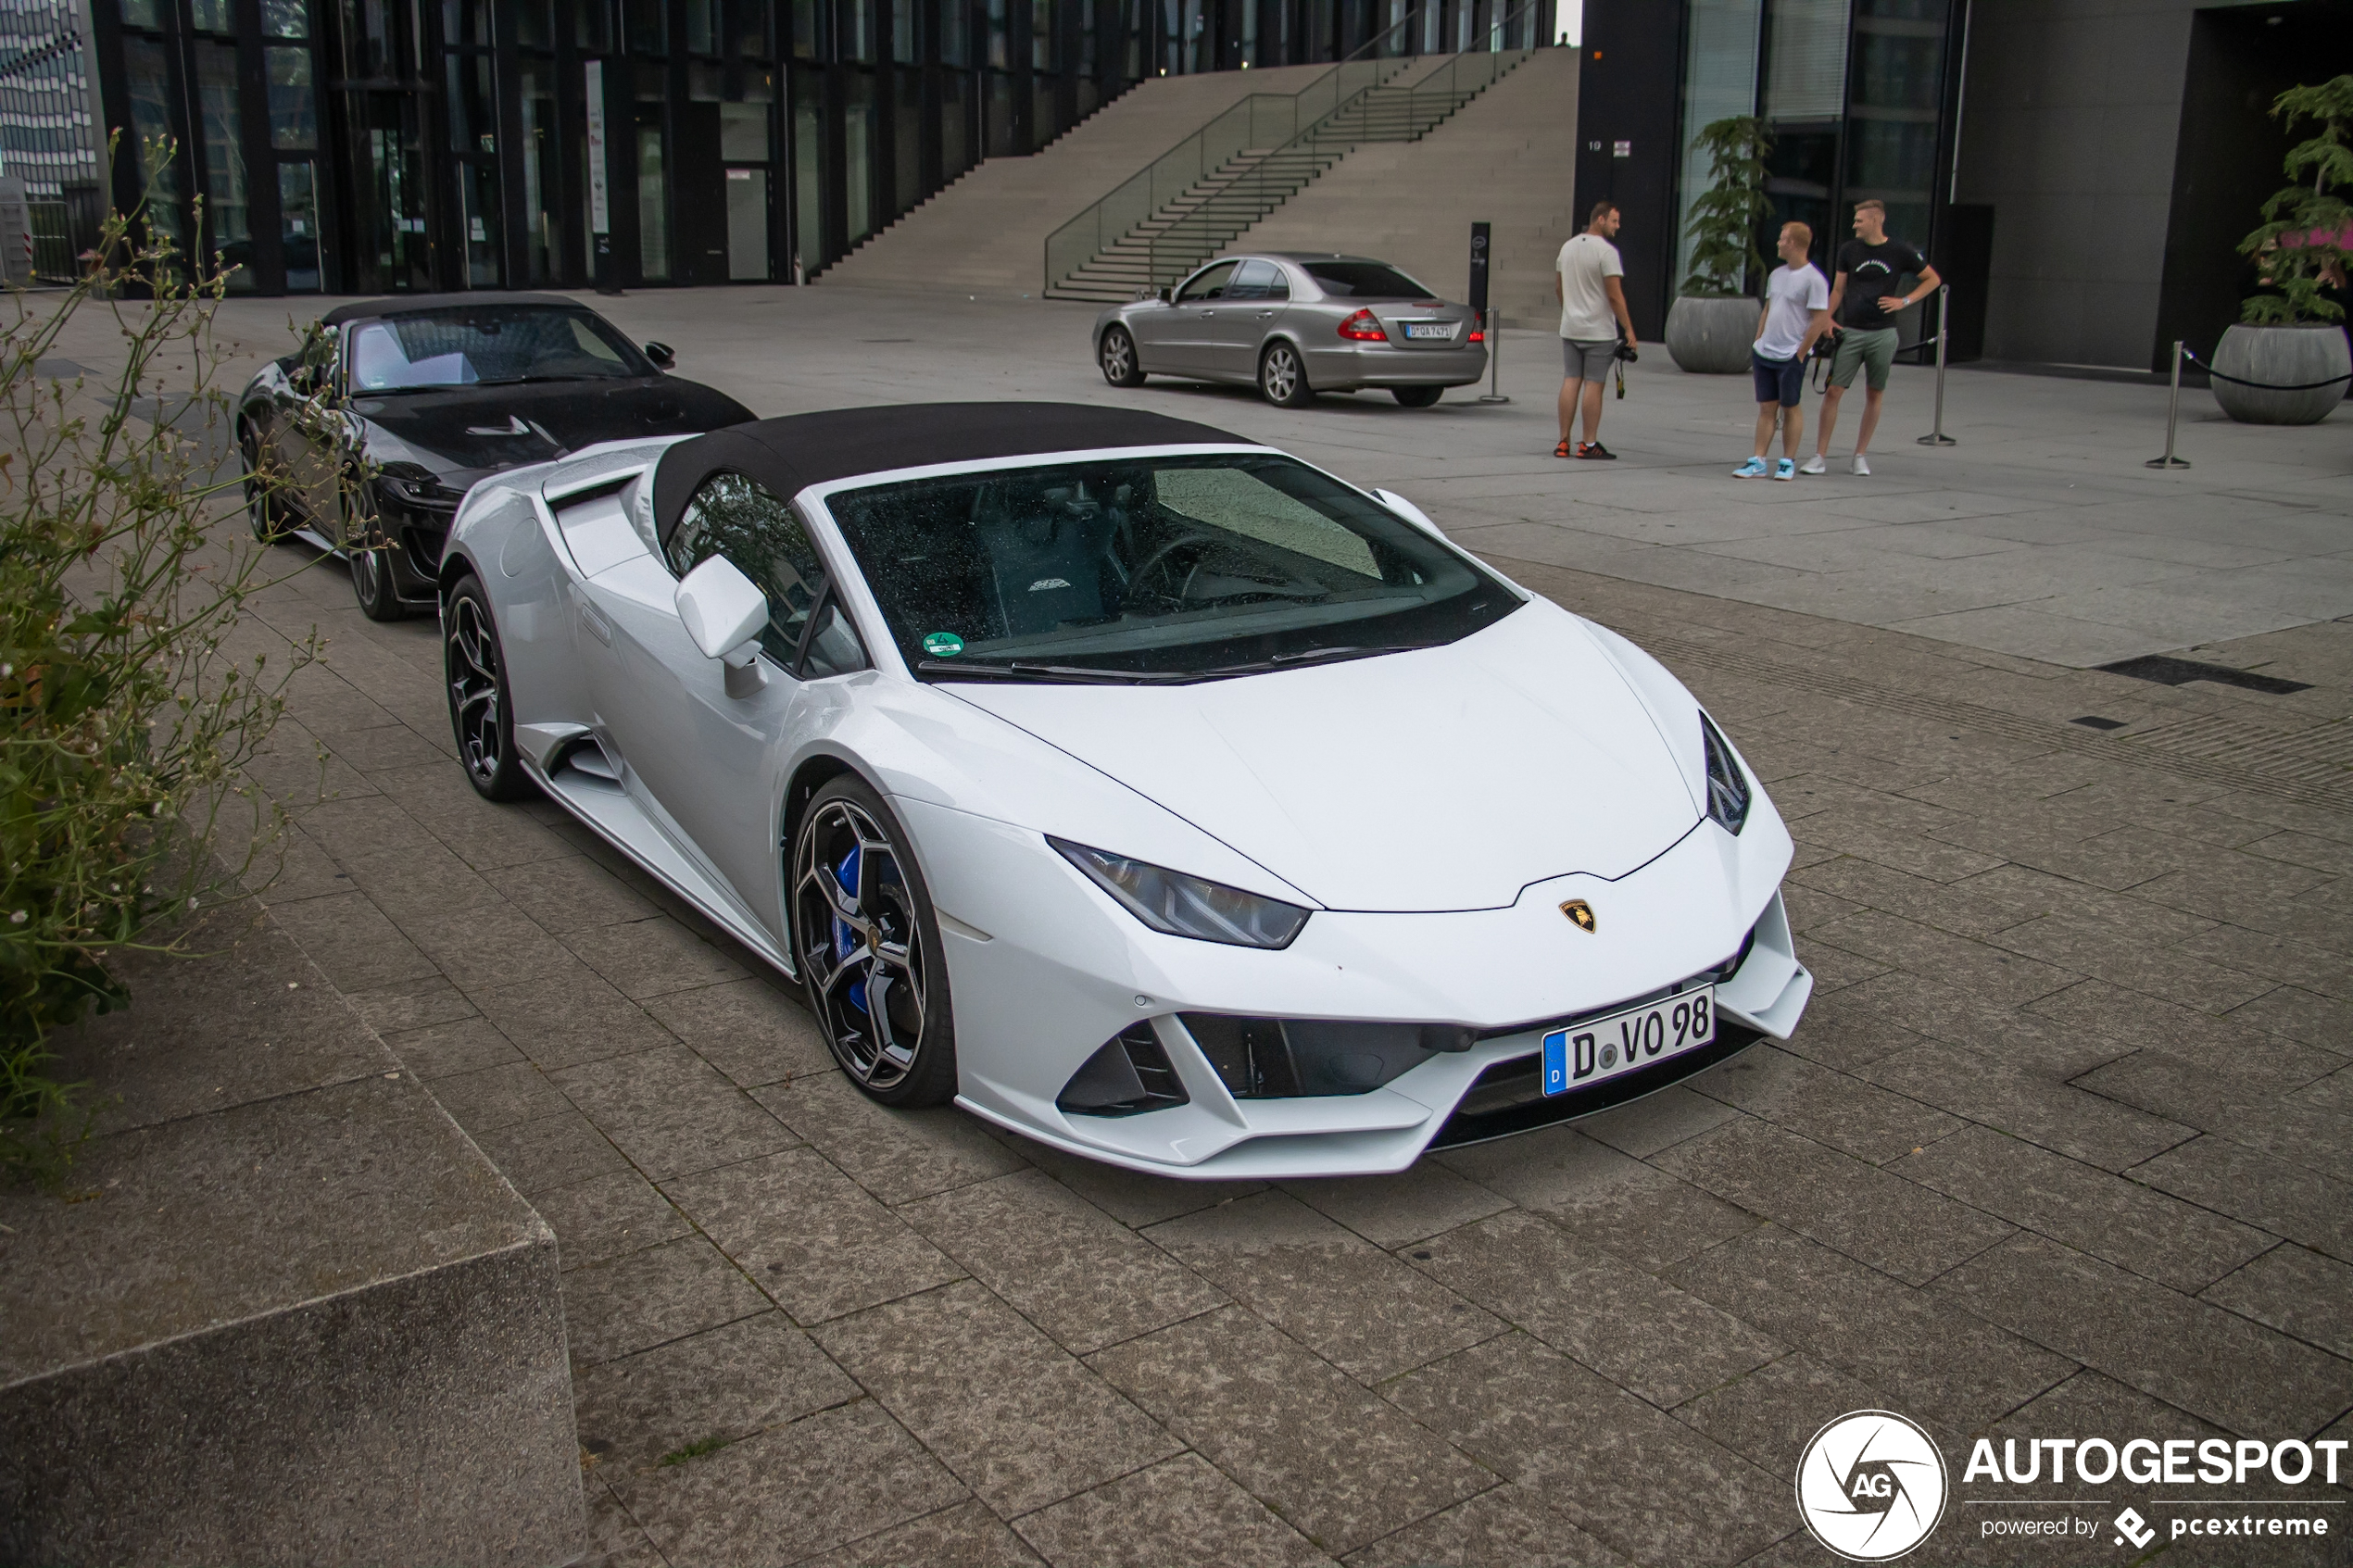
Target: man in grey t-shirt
1585 279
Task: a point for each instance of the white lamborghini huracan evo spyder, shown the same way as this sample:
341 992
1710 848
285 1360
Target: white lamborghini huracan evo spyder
1143 789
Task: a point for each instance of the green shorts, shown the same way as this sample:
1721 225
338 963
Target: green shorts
1872 351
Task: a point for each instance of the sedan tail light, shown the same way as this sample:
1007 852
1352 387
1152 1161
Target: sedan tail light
1477 336
1363 327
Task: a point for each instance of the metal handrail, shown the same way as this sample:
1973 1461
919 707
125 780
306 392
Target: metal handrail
1252 122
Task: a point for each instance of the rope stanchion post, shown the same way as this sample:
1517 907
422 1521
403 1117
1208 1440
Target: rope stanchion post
1937 437
1494 392
2172 417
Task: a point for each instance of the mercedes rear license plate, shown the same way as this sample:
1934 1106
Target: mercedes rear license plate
1429 329
1603 1048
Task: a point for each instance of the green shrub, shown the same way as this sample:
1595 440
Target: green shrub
124 716
1725 220
2300 248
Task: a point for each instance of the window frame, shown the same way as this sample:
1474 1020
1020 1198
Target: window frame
826 594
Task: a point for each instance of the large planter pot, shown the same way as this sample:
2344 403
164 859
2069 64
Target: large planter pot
2282 357
1711 337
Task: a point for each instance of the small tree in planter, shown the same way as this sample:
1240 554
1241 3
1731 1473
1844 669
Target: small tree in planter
2291 335
1713 320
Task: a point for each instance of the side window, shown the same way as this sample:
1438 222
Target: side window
733 517
834 648
1259 279
1207 285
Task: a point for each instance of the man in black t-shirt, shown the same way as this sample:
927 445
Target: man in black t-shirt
1865 296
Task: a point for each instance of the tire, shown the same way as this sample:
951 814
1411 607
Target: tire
372 581
863 925
1117 354
482 715
261 508
1282 378
1417 396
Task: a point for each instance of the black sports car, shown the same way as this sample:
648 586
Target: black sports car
393 408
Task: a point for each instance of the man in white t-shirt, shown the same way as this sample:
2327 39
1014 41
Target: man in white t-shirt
1593 322
1797 310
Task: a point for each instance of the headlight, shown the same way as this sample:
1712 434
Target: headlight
1728 792
1187 906
417 487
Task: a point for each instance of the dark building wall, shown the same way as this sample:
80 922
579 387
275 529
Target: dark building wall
1628 93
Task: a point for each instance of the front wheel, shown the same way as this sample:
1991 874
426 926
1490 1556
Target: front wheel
369 552
474 674
868 948
1117 356
1417 396
1282 380
261 498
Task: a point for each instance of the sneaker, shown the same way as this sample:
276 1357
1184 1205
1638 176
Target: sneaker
1753 468
1595 450
1784 469
1860 465
1563 450
1814 465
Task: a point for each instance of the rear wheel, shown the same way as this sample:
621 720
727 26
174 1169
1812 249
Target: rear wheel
1417 396
1282 378
474 673
1117 356
868 948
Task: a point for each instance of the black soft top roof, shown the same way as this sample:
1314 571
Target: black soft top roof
788 455
412 304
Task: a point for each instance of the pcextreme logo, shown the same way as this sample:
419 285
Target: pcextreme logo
1871 1485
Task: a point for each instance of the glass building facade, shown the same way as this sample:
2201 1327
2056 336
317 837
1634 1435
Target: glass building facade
48 135
363 146
1859 97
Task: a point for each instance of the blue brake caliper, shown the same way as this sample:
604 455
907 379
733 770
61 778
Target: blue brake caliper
846 874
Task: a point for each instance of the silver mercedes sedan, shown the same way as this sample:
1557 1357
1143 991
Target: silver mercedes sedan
1296 324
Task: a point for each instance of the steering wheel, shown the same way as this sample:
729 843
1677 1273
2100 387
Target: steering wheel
1160 557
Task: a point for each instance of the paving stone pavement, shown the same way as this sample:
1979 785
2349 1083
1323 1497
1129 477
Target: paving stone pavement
2065 1145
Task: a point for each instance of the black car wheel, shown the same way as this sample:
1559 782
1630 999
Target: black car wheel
261 502
1282 380
868 948
1117 356
1417 396
372 583
474 671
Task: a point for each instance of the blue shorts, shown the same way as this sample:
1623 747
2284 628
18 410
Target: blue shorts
1777 380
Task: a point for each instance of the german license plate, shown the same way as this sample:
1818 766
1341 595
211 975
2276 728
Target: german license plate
1429 329
1603 1048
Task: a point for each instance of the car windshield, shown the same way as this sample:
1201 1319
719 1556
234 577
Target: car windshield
1364 280
1153 569
473 346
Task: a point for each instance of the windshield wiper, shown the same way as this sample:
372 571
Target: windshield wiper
1312 656
1065 673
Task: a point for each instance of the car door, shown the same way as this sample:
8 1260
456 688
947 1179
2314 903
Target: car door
1254 302
1194 315
710 762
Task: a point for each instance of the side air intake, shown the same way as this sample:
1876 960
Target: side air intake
1128 1077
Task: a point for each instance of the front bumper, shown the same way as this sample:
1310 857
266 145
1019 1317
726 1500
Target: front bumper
1044 971
1346 365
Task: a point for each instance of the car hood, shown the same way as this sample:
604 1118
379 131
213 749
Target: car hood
1439 780
481 429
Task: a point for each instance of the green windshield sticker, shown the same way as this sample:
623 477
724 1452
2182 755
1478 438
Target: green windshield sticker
943 645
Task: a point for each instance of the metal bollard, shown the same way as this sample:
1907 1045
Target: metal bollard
1943 310
2172 418
1495 358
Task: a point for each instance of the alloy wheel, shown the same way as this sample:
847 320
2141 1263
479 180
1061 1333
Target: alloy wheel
476 691
1119 358
860 938
1280 378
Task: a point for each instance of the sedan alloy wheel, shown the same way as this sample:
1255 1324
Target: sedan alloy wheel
1117 356
1282 380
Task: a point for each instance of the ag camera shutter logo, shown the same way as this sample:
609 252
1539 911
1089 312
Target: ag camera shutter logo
1871 1485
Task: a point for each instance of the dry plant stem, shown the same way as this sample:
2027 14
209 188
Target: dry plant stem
127 717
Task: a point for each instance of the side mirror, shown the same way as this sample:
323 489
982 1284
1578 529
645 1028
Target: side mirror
723 613
662 355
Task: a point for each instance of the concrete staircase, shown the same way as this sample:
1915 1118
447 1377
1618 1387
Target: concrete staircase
1508 158
1205 218
984 232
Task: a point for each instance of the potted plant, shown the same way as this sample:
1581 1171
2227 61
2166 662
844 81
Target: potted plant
1713 320
2291 336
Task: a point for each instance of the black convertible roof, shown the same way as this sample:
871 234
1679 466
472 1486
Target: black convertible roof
411 304
789 454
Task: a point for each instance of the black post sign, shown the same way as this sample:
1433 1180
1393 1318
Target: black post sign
1479 270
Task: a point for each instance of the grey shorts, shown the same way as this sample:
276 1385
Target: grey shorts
1587 359
1871 352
